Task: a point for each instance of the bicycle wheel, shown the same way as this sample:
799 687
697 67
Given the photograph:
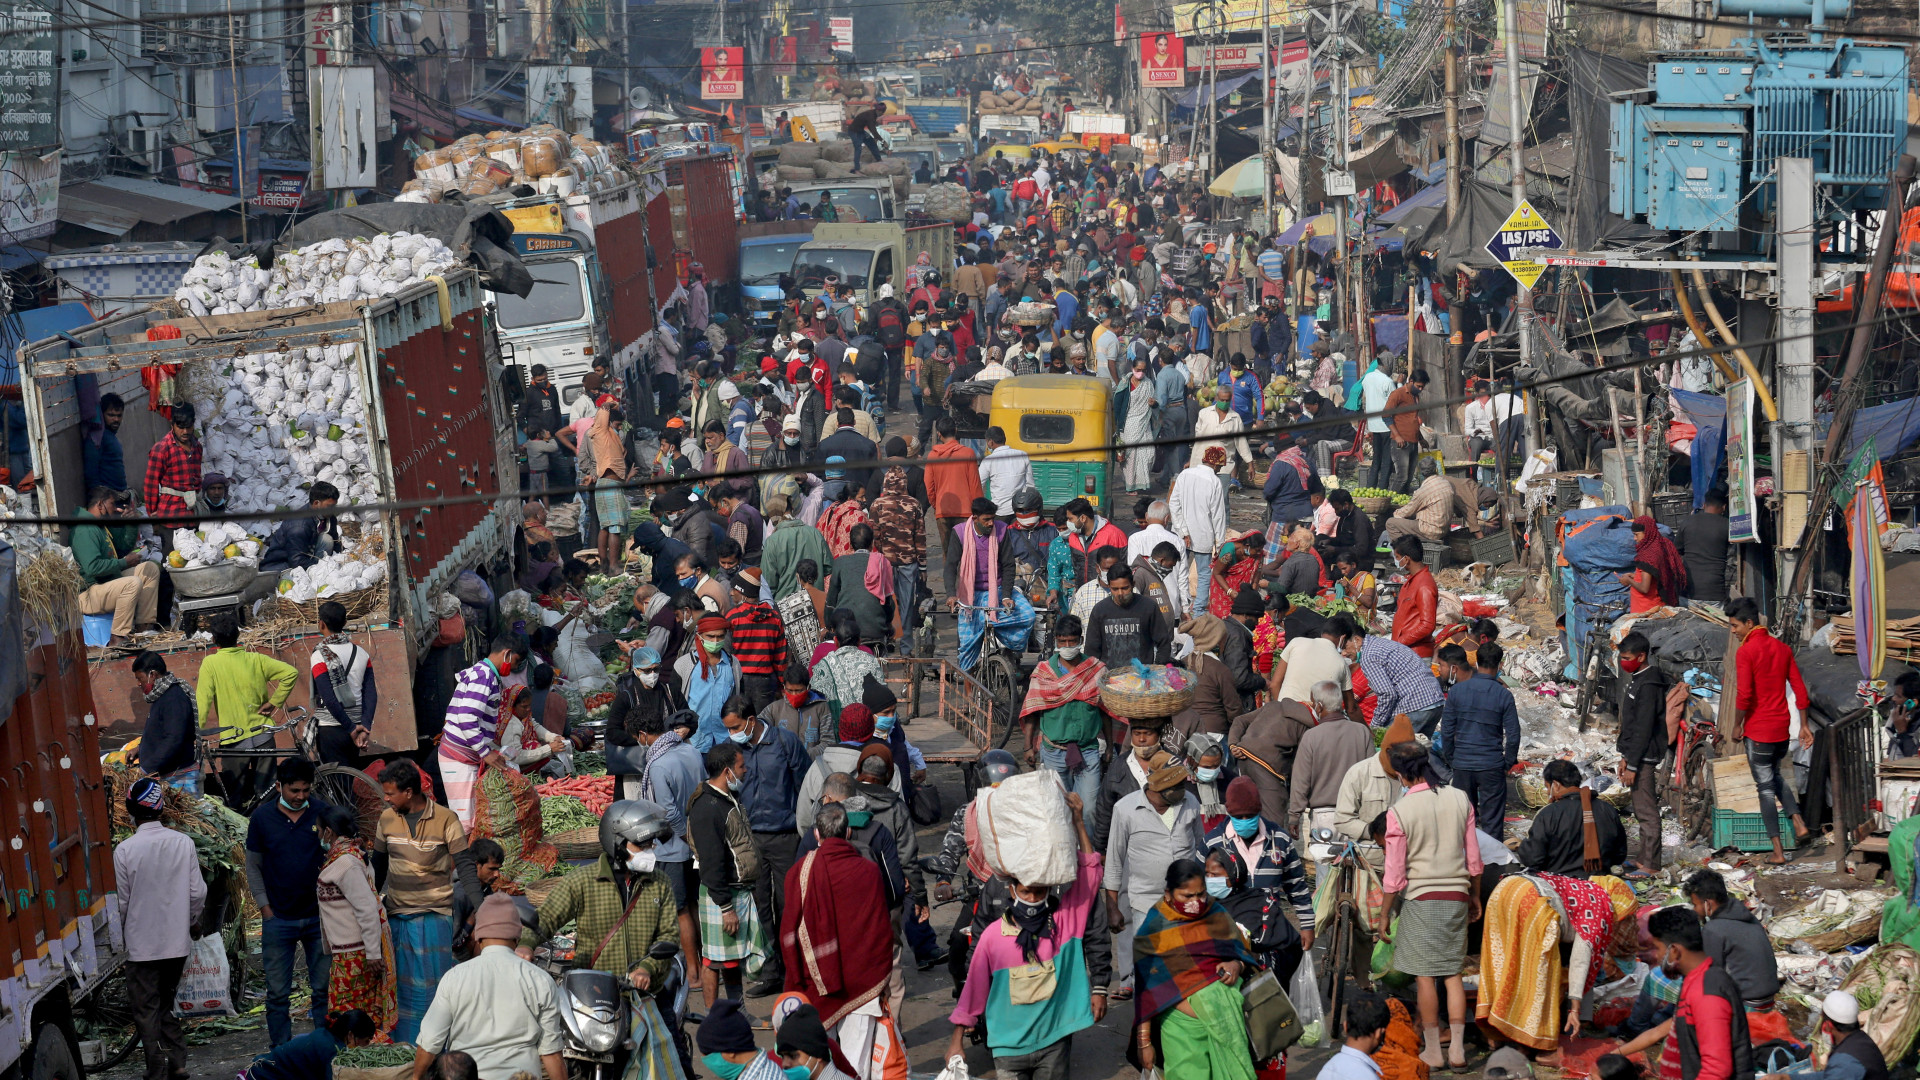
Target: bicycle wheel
343 786
107 1015
997 674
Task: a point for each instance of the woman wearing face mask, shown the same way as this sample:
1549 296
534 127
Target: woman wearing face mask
353 923
1189 959
1138 410
1260 913
1218 425
1268 857
1212 772
710 673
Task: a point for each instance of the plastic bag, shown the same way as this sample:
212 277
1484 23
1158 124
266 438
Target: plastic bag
1304 992
956 1069
206 982
1025 830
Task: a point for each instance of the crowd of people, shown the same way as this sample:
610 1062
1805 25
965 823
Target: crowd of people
765 838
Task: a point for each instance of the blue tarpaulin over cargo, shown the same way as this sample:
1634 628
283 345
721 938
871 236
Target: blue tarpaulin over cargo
1595 554
1709 415
1390 333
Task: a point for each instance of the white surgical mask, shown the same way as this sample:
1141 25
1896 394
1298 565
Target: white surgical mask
793 440
1071 652
640 862
648 679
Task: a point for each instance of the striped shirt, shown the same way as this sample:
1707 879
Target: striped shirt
1273 264
1403 682
473 714
759 639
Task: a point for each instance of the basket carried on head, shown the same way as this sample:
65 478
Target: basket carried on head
1147 704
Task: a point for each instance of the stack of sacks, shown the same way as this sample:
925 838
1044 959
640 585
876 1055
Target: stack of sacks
336 575
278 422
218 542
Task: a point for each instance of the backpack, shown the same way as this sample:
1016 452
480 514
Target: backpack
892 326
340 675
870 363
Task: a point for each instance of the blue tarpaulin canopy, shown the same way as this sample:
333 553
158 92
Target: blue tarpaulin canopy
1433 196
1221 89
1894 427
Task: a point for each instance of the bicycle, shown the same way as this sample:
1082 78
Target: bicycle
334 783
1347 934
1000 671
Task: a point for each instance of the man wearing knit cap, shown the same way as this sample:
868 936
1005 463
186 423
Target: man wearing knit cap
496 1007
1151 828
856 731
1272 858
726 1046
161 894
802 1043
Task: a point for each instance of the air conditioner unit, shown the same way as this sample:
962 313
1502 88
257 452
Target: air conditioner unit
145 144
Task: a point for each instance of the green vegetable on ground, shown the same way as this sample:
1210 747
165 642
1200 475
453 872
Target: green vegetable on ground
590 763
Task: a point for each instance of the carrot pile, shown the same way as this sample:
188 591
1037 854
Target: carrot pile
595 792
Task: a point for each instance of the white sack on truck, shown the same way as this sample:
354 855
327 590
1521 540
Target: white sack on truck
1026 831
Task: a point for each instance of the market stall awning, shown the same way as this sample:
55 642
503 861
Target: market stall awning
1894 426
1244 179
1433 196
115 204
1221 88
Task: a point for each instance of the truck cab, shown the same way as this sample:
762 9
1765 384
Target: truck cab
871 199
866 256
762 260
562 323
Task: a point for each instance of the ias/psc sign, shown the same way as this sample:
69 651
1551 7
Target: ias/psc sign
1520 236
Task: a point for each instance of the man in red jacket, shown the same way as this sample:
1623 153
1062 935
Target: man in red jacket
1765 669
1418 608
953 482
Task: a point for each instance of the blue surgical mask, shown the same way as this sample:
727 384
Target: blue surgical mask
1218 887
883 726
722 1068
743 736
1206 775
1245 826
285 805
798 1072
690 581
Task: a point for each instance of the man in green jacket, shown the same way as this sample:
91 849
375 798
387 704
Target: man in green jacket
789 540
122 584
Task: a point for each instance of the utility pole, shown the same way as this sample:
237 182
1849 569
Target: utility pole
1516 131
1451 82
1266 118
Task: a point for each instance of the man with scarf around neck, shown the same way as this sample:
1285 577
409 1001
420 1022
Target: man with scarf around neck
1066 725
1029 976
856 732
166 743
983 578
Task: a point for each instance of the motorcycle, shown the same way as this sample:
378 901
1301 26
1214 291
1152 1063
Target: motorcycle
597 1013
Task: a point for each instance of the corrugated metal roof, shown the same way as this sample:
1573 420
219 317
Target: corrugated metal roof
115 204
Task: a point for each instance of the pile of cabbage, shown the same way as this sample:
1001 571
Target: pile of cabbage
218 542
274 423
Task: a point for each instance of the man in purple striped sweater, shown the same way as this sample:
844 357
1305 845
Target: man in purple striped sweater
470 739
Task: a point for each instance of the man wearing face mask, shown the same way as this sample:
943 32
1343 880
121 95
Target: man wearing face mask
622 906
284 857
1124 628
1710 1022
804 1048
1086 533
732 941
1266 848
835 935
1643 740
1150 830
1062 714
1158 577
776 766
1031 1022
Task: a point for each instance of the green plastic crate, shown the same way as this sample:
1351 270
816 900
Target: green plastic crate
1748 832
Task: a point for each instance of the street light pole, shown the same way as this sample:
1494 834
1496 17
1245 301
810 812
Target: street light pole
1516 129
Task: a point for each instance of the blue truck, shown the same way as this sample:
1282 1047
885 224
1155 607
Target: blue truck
767 249
938 117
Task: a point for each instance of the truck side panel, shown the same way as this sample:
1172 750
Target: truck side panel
935 240
660 240
621 244
701 194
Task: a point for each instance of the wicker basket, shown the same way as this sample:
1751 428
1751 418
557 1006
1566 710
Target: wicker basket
1373 504
360 604
1145 704
581 843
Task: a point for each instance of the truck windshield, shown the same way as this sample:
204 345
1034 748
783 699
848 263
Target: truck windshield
851 265
762 264
866 201
556 298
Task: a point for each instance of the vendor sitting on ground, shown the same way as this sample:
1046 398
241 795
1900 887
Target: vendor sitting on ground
1562 841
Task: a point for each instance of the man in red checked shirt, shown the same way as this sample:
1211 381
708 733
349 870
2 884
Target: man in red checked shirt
1765 671
172 484
1710 1022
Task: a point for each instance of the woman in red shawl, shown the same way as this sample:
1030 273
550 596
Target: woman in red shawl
838 522
1234 566
1658 574
835 935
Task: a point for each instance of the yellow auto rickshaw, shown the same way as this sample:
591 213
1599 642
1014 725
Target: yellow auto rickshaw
1065 422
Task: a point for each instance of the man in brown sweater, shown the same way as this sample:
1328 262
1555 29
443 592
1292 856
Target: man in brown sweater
1332 746
1264 742
1406 426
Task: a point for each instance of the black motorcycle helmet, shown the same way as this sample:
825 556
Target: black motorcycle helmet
996 766
1027 500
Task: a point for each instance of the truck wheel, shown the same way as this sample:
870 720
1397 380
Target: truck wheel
53 1056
